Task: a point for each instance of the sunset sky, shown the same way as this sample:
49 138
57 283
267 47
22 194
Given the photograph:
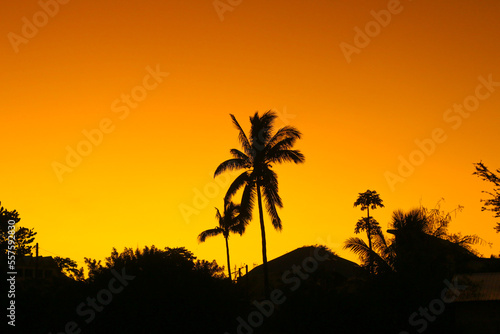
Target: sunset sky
364 81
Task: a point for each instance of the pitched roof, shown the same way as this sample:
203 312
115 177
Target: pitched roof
276 267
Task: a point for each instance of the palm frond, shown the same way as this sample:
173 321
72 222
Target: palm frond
231 164
231 221
413 220
286 132
272 198
280 156
231 210
273 213
238 226
398 219
378 236
245 143
268 118
358 247
270 187
237 154
283 144
209 233
237 214
248 201
239 182
381 247
218 215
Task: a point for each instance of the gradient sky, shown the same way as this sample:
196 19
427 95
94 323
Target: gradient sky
358 113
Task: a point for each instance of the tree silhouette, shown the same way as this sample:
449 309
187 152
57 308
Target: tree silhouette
231 221
365 224
368 199
24 237
69 268
493 203
433 222
261 150
169 289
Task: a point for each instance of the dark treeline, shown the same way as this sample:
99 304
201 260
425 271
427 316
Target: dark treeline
170 291
143 291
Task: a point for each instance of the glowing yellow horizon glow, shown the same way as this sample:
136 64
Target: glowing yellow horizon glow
92 66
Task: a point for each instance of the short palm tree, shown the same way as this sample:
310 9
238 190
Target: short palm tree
368 199
382 256
231 222
433 222
261 150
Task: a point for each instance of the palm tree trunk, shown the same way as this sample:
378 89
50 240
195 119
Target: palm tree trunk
228 263
264 249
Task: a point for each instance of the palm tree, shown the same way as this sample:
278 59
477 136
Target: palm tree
261 150
382 256
433 222
231 221
415 220
368 199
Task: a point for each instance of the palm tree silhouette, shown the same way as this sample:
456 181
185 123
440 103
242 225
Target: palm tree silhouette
433 222
382 255
368 199
260 151
231 222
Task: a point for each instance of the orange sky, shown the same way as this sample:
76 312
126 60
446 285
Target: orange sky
359 112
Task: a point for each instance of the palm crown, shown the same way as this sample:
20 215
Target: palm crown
260 151
229 222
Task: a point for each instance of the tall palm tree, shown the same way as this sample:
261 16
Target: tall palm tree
368 199
230 222
261 150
